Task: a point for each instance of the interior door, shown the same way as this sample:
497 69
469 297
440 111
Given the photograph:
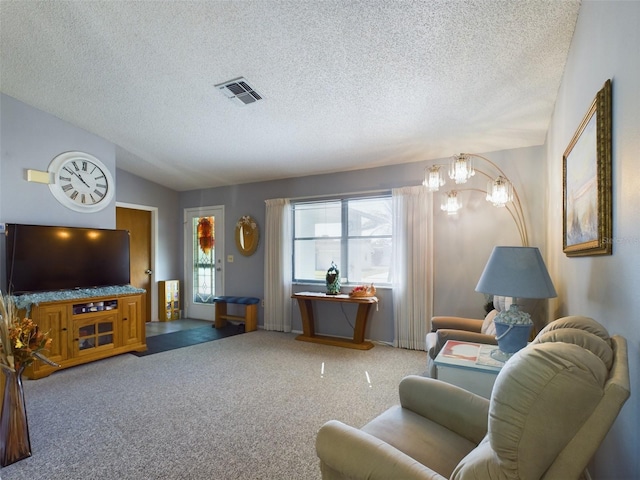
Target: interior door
138 222
204 254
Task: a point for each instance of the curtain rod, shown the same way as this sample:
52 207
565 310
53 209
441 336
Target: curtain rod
365 192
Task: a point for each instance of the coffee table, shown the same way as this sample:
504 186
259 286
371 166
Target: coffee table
468 365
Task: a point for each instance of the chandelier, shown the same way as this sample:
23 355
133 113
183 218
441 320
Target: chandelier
450 203
499 192
461 168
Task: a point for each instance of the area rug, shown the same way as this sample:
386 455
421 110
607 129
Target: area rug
185 338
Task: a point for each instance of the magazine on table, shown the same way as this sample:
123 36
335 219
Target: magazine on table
461 350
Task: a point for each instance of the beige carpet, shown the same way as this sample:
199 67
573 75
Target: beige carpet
244 407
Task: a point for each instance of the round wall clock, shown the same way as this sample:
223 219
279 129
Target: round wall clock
81 182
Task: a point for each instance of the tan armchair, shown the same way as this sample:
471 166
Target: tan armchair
552 405
463 329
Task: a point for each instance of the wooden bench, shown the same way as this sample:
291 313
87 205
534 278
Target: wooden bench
250 318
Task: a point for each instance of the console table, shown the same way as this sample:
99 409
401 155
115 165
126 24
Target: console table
305 301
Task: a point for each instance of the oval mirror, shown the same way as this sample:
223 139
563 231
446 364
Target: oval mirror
247 235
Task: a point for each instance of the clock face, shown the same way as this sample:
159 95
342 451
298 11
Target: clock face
81 182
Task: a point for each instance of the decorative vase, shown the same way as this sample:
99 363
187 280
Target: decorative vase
333 280
14 429
512 337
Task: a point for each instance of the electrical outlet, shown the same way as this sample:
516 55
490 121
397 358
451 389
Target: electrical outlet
263 302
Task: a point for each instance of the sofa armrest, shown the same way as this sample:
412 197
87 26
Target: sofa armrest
349 453
455 408
456 323
462 336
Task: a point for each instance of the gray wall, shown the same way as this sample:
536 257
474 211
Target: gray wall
135 191
605 45
30 139
462 244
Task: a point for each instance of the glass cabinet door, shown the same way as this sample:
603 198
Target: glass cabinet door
95 334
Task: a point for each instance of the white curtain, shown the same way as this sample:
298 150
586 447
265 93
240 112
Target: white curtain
413 266
277 266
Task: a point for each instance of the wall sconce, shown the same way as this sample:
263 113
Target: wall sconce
500 191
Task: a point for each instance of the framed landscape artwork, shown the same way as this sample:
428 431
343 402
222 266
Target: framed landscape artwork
586 172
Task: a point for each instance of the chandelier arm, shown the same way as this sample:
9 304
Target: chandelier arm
518 204
485 174
520 213
488 161
520 225
522 228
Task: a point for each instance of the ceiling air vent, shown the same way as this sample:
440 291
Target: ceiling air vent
240 91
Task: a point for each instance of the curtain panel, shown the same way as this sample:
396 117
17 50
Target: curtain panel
277 265
413 266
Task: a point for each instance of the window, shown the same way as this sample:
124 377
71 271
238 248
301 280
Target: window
354 233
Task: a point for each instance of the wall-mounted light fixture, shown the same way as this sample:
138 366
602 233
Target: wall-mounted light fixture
500 191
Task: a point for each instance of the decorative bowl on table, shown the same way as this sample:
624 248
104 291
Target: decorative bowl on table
363 291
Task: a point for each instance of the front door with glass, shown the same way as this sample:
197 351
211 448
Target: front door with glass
204 253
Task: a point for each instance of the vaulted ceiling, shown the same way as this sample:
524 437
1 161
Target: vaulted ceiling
344 85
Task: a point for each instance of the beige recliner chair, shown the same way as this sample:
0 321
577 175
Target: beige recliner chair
463 329
552 404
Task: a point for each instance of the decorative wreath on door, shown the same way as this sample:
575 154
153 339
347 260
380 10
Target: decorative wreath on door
205 234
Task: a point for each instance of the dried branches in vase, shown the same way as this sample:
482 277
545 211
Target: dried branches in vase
21 343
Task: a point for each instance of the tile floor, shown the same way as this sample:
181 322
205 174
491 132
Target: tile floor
158 328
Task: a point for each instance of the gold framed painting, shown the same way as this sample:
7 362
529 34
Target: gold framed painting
586 181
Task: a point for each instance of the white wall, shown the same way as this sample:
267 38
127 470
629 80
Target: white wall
606 45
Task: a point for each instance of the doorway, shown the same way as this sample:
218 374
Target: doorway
139 223
204 254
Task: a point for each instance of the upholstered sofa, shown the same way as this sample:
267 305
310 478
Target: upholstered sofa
551 406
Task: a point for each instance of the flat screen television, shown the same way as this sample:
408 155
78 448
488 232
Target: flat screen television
44 258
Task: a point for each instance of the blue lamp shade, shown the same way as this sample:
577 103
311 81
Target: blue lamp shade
517 272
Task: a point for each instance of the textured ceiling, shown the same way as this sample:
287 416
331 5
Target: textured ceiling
346 84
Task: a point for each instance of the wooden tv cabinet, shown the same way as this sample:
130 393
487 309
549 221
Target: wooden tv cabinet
88 329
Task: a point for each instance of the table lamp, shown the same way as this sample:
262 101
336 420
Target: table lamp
517 272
